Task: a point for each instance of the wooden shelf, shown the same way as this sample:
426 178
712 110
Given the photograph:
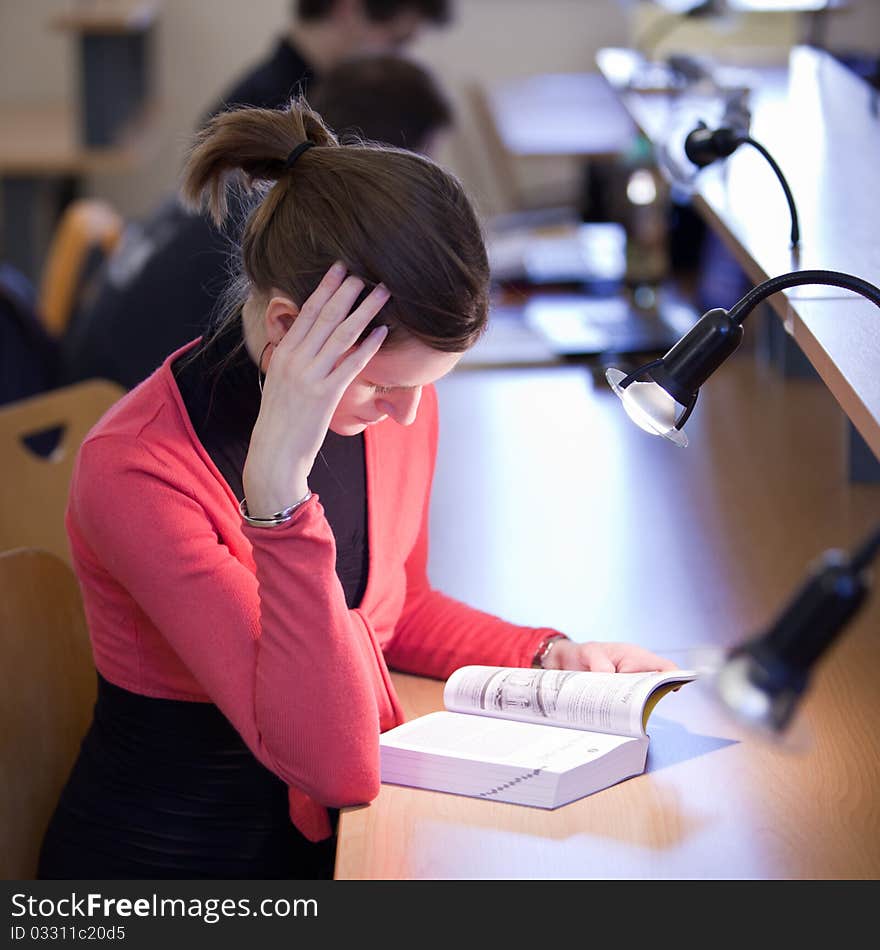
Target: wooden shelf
44 140
107 16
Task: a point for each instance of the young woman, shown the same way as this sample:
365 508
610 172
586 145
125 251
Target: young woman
249 525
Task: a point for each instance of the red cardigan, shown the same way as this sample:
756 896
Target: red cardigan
185 601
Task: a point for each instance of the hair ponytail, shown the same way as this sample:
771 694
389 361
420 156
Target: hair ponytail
246 146
390 215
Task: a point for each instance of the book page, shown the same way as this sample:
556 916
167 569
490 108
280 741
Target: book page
613 703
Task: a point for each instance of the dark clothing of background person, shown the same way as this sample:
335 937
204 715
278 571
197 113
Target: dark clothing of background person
271 83
162 287
158 292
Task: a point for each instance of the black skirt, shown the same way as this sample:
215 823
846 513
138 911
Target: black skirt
168 789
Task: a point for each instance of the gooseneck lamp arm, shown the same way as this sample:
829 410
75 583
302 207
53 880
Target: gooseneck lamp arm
761 680
789 197
831 278
703 146
661 395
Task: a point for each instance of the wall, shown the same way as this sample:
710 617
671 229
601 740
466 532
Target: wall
203 44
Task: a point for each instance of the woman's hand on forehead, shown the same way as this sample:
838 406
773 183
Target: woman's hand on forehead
310 368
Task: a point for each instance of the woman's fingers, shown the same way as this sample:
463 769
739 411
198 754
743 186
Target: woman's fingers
634 659
594 656
346 333
604 657
357 359
327 328
333 314
330 283
631 658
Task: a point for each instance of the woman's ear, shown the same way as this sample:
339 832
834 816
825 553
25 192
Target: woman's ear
280 314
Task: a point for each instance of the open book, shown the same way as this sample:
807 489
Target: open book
531 737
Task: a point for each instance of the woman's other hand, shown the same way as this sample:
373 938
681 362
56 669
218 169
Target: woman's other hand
605 657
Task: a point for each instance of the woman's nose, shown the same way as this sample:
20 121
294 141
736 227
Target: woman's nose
402 406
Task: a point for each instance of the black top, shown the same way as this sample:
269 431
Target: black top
222 396
272 82
159 291
162 287
164 788
167 789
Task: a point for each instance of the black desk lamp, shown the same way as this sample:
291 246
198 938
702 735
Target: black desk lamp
703 146
660 396
760 681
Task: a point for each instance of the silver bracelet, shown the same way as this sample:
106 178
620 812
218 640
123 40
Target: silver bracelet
544 648
279 518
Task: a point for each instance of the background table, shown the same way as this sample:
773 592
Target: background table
41 165
108 124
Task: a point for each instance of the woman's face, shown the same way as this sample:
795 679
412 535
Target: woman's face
390 386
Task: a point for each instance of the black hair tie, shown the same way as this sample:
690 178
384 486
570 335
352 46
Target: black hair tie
295 154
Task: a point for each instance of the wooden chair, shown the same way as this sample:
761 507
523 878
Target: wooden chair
505 174
34 488
88 232
570 118
47 699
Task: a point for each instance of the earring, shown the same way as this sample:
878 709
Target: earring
260 367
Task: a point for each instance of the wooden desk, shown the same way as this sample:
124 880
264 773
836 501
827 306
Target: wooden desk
572 517
841 338
509 342
44 140
813 115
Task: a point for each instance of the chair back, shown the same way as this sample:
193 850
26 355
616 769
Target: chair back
505 173
46 701
36 477
87 233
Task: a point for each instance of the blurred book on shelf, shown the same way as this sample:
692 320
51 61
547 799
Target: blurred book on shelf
580 326
554 248
509 342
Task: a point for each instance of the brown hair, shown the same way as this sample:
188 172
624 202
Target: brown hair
384 98
437 11
389 215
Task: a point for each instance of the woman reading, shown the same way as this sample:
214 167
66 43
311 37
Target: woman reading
249 524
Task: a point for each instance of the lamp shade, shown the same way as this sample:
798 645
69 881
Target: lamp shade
681 371
649 406
660 396
703 146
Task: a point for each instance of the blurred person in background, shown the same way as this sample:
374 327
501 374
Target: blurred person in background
385 99
322 35
163 285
